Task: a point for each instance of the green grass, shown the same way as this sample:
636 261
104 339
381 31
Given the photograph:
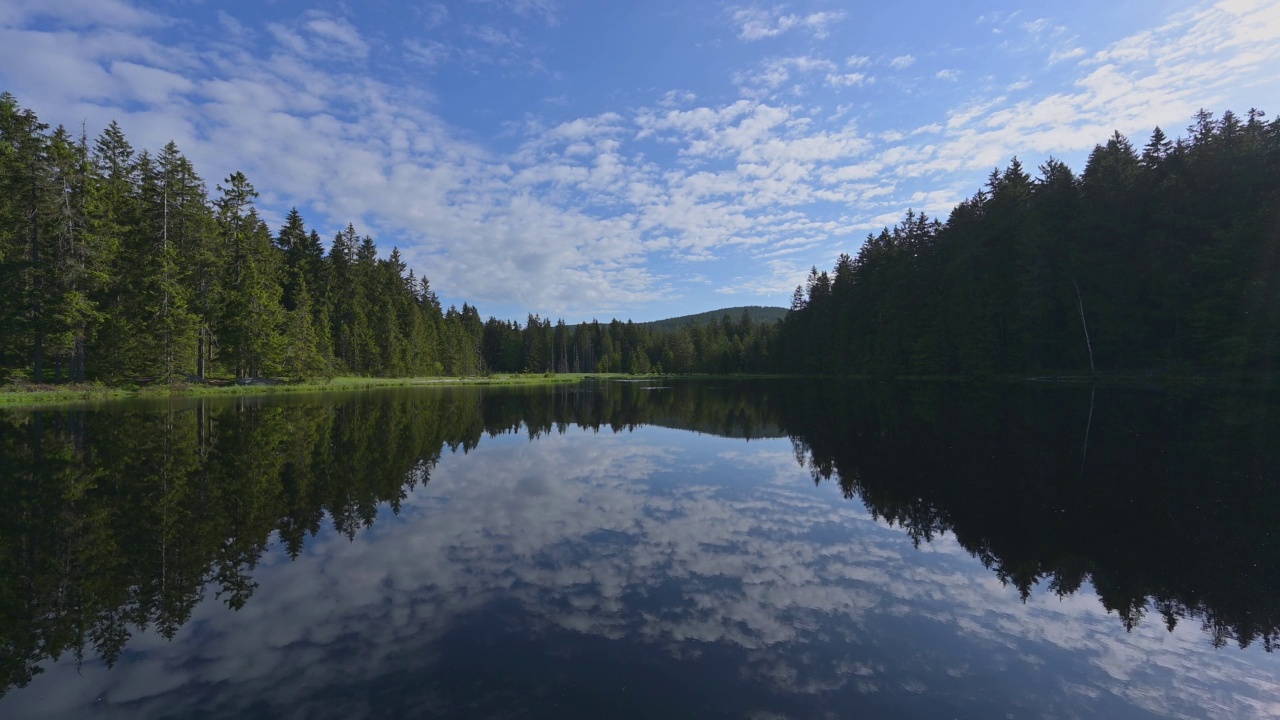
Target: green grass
28 395
11 395
31 395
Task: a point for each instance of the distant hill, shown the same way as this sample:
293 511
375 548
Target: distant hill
757 313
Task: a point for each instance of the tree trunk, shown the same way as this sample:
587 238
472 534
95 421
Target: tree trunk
1087 342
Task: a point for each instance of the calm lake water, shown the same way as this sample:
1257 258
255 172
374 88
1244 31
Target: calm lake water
786 549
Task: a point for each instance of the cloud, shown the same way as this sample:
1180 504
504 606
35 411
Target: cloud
1035 26
777 72
319 36
577 214
758 23
117 14
848 79
429 54
1058 56
949 74
1145 80
548 11
672 98
779 278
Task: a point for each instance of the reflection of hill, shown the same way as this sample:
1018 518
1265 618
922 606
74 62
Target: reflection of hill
112 520
728 430
734 410
1166 504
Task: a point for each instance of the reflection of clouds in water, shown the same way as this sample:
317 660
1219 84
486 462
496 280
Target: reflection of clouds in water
587 534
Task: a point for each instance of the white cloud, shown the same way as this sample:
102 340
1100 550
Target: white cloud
321 37
118 14
848 79
1058 56
758 23
902 62
948 74
779 71
546 10
573 218
672 98
779 278
1036 26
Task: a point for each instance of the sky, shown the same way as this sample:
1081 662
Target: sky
642 159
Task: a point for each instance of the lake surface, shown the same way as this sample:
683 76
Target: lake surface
749 549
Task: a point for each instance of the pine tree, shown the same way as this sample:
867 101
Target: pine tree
252 315
78 265
165 330
114 215
302 357
22 158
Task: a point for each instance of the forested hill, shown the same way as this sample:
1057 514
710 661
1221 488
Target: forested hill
757 313
1164 257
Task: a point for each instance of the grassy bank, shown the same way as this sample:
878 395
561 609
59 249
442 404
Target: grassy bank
17 396
30 394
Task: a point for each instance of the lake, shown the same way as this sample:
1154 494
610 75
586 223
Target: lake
661 548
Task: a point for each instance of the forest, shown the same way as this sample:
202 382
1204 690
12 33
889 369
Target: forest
118 266
1164 259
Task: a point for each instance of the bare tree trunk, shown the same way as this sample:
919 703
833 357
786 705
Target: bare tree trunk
1084 453
1087 342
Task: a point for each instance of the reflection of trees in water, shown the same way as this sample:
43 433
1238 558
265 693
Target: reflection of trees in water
113 521
1166 504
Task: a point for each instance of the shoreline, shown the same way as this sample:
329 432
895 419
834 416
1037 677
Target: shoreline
12 397
20 397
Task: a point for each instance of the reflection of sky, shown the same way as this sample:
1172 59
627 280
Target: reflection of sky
588 563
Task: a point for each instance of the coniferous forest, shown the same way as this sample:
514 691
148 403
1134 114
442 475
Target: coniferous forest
1160 258
120 265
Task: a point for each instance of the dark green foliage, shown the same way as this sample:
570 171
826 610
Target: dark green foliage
727 345
1170 257
115 266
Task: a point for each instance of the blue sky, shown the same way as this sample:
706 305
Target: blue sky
630 159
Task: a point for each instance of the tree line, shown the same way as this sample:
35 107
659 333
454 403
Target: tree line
118 265
1165 257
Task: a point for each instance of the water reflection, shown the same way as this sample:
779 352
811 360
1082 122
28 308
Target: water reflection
586 562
